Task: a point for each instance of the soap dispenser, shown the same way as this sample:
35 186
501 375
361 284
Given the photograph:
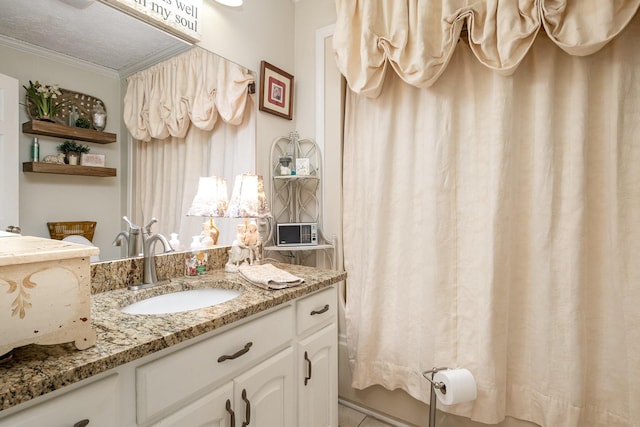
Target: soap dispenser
196 260
174 241
195 243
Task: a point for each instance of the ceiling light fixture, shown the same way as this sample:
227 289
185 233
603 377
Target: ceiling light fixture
78 4
231 3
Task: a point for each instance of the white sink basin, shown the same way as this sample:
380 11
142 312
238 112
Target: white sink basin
181 301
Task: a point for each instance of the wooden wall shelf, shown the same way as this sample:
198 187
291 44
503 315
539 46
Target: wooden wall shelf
38 127
41 167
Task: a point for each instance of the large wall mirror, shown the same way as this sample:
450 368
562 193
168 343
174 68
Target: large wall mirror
88 47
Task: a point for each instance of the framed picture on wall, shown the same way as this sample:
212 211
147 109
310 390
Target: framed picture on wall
276 91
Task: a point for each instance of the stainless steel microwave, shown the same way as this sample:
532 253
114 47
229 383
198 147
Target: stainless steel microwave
297 234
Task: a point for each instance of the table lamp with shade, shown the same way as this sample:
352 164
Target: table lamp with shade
248 201
211 200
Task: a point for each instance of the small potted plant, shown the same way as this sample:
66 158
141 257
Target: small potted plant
44 97
72 151
83 122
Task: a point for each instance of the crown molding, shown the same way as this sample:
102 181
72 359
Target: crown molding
154 59
57 57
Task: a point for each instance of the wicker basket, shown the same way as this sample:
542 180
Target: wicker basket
60 230
84 104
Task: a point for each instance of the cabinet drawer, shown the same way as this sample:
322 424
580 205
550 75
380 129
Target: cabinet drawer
166 384
317 309
96 402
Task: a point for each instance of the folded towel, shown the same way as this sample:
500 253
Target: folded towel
269 277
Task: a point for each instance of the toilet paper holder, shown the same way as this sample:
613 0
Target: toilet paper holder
435 385
438 385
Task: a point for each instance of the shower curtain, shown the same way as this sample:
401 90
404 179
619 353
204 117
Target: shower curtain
492 222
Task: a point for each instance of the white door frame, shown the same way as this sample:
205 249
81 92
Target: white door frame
9 159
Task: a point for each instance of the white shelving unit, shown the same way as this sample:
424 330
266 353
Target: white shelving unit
297 198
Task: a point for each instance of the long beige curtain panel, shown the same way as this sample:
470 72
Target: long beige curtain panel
506 215
196 87
417 38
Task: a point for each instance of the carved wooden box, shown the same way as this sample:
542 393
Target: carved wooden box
45 291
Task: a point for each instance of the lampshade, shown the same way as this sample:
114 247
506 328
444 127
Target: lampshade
211 197
248 199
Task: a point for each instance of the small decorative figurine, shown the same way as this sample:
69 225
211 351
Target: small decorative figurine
210 233
242 252
54 158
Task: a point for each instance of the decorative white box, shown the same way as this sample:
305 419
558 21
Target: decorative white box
87 159
302 167
45 292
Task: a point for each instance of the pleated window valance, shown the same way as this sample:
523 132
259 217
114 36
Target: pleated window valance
195 87
417 37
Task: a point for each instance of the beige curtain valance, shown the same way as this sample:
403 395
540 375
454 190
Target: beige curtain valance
195 87
417 37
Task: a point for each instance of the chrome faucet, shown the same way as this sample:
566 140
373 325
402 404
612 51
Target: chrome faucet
129 237
149 240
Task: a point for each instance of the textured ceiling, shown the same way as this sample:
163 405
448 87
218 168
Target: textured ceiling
96 33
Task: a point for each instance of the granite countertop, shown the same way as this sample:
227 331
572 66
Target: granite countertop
35 370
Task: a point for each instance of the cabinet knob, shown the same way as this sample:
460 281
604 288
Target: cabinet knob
81 423
322 310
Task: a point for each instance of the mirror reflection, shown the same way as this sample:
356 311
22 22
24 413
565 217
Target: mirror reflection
191 116
156 176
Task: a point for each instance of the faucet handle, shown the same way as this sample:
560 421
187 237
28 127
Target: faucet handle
147 228
131 225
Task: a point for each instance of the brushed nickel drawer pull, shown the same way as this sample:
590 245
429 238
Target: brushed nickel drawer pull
322 310
236 354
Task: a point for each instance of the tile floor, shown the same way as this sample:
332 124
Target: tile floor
349 417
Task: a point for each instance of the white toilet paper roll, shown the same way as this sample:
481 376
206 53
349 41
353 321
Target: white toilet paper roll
460 386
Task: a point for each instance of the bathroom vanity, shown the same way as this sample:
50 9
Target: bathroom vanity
264 358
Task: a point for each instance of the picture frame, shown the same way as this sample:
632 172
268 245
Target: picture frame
276 91
302 167
87 159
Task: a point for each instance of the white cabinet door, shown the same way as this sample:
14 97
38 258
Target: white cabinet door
9 160
95 404
165 385
264 395
317 379
215 409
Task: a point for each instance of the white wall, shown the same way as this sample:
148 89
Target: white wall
48 197
314 20
259 30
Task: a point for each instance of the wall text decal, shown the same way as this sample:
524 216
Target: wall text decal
178 17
